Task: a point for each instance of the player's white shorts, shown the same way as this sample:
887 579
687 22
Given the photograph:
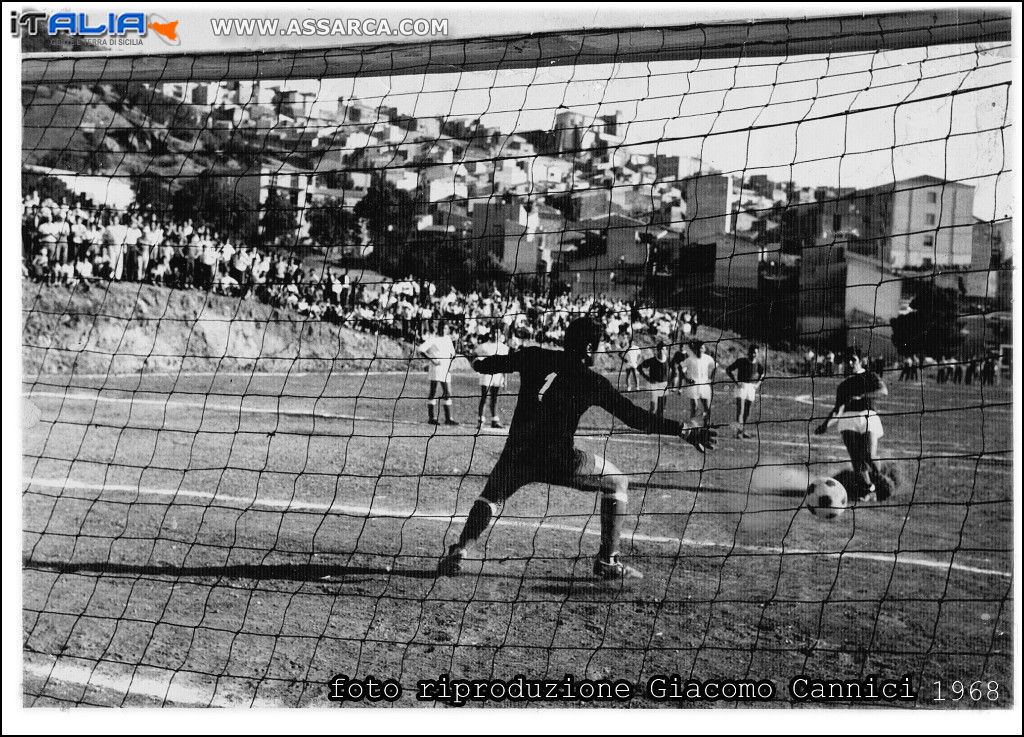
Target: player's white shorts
747 391
657 390
441 373
866 420
697 392
492 380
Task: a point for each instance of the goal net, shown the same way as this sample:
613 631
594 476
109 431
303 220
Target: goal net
241 271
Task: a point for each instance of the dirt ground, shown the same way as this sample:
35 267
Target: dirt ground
235 538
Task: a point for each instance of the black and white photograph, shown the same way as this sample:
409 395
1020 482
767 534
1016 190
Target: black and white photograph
538 357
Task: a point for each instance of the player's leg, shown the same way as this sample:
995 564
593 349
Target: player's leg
432 402
495 420
869 445
739 416
593 472
855 447
749 395
508 475
482 404
446 400
706 403
747 405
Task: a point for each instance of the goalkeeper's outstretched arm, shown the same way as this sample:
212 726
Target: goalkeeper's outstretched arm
506 364
612 401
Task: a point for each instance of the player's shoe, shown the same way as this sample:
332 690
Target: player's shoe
451 422
614 569
496 424
433 422
871 495
451 564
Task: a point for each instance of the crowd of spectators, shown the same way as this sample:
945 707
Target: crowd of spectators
79 244
946 369
983 370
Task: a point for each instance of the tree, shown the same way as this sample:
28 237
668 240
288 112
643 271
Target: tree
152 192
331 225
211 199
930 328
389 212
278 219
445 259
47 187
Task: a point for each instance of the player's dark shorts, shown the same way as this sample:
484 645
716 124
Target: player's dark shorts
516 468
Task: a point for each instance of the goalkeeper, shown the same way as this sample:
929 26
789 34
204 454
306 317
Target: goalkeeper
556 388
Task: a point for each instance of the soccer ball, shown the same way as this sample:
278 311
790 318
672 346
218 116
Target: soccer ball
826 498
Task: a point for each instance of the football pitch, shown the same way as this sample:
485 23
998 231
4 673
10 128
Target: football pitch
241 538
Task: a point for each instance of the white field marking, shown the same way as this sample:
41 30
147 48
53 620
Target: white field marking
319 413
824 445
146 681
635 439
215 406
244 374
232 374
374 511
824 401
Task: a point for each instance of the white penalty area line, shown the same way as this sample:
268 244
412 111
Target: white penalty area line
232 374
239 408
1002 465
316 413
289 505
162 684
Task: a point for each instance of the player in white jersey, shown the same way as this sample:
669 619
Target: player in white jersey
698 373
491 384
440 349
631 356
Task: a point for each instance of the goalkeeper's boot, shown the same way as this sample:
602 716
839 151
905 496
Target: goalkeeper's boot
883 487
451 564
496 423
614 569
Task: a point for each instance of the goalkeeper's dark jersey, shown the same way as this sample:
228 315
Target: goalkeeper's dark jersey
555 389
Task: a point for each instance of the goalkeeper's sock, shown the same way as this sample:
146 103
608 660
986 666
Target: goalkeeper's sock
479 518
613 506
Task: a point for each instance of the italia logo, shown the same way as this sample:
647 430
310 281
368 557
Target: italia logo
95 25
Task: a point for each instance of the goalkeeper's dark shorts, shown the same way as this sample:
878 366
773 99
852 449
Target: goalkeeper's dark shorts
579 469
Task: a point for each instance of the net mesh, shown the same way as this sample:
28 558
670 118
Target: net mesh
232 291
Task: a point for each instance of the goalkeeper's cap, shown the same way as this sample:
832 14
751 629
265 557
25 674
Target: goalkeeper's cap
582 335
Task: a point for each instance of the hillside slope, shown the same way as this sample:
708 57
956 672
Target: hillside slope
124 327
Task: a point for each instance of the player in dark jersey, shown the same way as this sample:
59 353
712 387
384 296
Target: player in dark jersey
655 372
746 373
855 418
555 389
675 365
